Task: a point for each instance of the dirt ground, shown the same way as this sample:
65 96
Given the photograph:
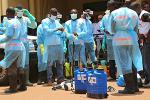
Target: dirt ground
46 93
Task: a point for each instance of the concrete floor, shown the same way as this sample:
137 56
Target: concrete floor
45 93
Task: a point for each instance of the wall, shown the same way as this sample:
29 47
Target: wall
14 3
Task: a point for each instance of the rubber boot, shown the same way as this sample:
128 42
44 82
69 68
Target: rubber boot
39 78
28 83
136 87
12 77
22 80
129 87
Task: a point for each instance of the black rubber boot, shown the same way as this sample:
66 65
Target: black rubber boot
12 77
28 83
12 83
39 78
22 80
136 87
129 87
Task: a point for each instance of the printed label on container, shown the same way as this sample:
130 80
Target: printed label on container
81 77
92 80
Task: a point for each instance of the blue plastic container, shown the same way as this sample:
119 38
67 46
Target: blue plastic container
97 84
80 78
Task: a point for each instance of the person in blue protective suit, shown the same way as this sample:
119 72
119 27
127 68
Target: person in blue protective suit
26 22
3 25
53 49
85 32
40 52
105 27
124 27
77 44
14 53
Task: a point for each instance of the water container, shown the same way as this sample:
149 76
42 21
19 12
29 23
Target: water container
97 84
80 81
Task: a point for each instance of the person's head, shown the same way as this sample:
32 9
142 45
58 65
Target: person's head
19 11
127 3
136 7
100 17
111 5
10 12
53 13
145 6
145 17
87 14
74 14
59 16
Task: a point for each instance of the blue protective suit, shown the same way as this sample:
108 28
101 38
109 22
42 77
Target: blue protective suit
25 23
79 49
14 49
53 47
105 26
40 40
2 28
125 40
85 32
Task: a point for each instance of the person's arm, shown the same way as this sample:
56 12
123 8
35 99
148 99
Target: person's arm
81 30
31 19
46 28
2 29
113 24
9 33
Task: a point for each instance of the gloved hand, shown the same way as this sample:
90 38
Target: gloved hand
94 46
103 42
64 48
42 49
27 13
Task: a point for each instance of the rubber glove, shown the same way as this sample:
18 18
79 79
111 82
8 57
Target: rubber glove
27 13
42 49
65 49
103 42
94 46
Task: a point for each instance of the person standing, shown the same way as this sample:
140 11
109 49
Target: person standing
124 28
53 47
14 58
26 22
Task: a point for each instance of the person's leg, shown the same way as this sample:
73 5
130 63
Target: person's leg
147 62
112 69
22 79
92 54
28 83
82 55
124 64
12 77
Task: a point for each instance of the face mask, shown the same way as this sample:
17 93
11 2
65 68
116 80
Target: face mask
53 17
73 16
58 20
20 14
88 17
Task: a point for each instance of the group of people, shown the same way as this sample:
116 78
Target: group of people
120 26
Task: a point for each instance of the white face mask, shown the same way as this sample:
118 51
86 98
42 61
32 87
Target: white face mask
88 17
73 16
20 13
53 17
58 20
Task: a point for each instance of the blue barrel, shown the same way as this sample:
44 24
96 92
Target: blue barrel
80 81
97 84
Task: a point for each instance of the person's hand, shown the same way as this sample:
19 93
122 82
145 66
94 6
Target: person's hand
60 29
75 34
26 12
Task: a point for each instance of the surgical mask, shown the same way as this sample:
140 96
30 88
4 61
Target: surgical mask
53 17
20 14
88 17
58 20
73 16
